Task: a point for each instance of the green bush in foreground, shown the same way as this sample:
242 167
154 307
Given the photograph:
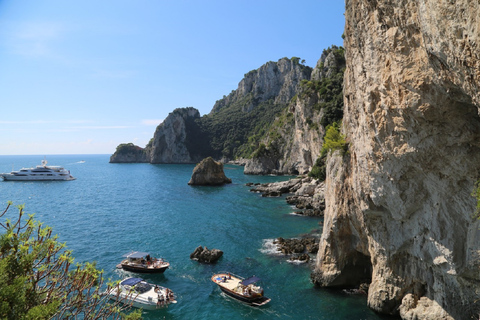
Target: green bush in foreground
39 281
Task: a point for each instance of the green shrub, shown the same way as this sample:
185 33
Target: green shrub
333 140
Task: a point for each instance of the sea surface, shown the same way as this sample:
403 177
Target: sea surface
111 209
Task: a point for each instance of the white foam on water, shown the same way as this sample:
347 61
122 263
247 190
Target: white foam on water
268 247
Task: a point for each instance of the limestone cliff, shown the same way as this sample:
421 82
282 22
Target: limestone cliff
294 141
170 141
277 81
398 204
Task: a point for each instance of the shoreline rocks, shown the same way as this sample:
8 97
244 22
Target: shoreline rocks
307 194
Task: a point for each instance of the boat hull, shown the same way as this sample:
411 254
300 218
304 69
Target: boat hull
258 301
234 286
12 177
143 269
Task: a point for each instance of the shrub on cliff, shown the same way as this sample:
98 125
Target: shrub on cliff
319 169
126 148
39 281
333 140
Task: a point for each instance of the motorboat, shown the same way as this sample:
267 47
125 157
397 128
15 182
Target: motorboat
39 173
241 289
140 294
138 261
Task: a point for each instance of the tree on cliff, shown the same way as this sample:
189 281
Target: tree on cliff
38 279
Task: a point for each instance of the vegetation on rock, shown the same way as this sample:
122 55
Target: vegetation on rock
333 140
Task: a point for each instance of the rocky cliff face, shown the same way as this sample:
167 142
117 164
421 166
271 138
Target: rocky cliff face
398 204
295 140
274 80
170 141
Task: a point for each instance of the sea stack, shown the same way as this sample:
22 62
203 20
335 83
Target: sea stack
209 173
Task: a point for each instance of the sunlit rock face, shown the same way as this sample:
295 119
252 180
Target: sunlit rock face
170 138
398 204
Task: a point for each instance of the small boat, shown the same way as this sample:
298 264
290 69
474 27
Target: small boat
141 294
241 289
137 261
39 173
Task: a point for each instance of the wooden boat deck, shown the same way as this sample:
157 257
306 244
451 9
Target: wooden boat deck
230 284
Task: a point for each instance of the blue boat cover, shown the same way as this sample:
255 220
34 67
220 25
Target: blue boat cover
135 254
131 281
250 280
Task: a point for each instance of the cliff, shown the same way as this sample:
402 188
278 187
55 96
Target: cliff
171 139
294 141
398 203
236 124
274 80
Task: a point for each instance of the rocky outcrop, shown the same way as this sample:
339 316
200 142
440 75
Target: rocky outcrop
398 203
170 141
209 173
306 194
128 153
203 254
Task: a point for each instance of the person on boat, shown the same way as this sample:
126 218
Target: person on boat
224 279
160 300
229 276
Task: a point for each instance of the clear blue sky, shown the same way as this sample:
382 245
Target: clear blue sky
81 77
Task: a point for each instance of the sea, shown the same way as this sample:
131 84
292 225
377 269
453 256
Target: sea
111 209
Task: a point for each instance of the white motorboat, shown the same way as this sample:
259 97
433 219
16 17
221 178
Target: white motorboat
39 173
141 294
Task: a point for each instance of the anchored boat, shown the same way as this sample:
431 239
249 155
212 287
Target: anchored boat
138 261
241 289
141 294
39 173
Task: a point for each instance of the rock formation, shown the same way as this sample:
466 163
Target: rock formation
128 153
277 81
295 139
307 194
209 173
170 141
203 254
398 204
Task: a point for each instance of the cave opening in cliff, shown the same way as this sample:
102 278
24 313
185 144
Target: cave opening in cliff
357 271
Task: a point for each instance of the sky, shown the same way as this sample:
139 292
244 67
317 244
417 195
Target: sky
82 77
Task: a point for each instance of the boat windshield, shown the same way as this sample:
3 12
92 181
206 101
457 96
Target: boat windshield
142 287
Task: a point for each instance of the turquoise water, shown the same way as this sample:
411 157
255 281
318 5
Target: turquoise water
111 209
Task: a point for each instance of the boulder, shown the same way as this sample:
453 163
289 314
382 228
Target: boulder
209 173
203 254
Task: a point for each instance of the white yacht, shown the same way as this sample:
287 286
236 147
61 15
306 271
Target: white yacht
141 294
39 173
